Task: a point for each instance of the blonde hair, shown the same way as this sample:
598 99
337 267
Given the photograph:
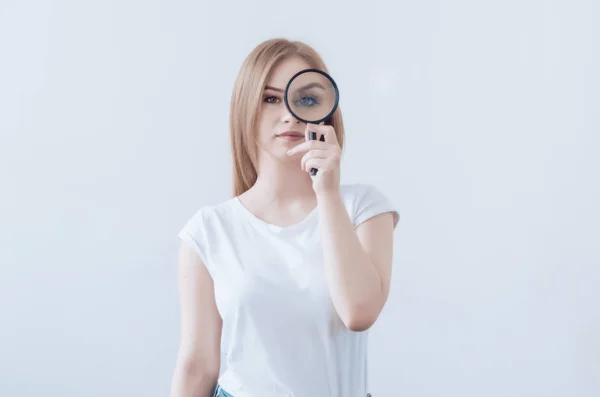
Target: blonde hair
246 102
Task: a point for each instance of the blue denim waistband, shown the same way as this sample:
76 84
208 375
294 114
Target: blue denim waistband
219 392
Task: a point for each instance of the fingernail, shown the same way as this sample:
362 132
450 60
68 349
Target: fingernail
289 151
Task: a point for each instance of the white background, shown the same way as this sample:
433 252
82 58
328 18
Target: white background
479 120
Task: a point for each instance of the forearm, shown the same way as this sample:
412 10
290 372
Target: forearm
354 283
191 379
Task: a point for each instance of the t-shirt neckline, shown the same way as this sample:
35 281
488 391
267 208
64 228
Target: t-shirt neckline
262 223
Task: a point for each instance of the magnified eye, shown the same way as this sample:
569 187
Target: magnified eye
307 101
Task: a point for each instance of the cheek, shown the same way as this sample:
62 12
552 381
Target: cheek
267 123
270 114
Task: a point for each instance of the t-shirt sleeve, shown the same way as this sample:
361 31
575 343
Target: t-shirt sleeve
370 201
193 233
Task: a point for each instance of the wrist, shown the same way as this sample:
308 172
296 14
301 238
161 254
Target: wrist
328 195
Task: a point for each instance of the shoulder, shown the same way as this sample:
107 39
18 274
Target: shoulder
205 221
353 190
355 193
205 224
210 214
364 201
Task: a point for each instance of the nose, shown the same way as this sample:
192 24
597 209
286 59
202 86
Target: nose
286 116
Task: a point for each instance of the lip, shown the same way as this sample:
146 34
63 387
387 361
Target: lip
290 138
291 134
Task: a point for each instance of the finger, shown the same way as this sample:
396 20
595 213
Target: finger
311 131
322 137
314 128
326 130
314 163
309 145
315 153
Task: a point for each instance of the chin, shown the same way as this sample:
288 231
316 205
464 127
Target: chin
276 152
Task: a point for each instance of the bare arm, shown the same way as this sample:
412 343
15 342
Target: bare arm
198 359
358 261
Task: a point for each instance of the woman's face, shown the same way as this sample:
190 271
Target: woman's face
274 118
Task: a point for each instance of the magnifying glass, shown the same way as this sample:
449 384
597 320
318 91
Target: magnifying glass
311 96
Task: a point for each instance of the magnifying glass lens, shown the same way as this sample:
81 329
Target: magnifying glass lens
311 96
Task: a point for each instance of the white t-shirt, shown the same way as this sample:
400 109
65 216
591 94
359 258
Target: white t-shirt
281 334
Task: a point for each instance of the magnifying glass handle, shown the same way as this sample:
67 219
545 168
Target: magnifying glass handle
313 137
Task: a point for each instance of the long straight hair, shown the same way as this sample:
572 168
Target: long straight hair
246 104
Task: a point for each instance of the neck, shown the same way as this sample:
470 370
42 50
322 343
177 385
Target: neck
282 182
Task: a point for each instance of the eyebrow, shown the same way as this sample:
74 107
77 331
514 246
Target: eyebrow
311 85
306 87
273 88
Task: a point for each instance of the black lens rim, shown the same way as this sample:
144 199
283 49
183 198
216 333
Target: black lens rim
335 87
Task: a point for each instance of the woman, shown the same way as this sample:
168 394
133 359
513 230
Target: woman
284 277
